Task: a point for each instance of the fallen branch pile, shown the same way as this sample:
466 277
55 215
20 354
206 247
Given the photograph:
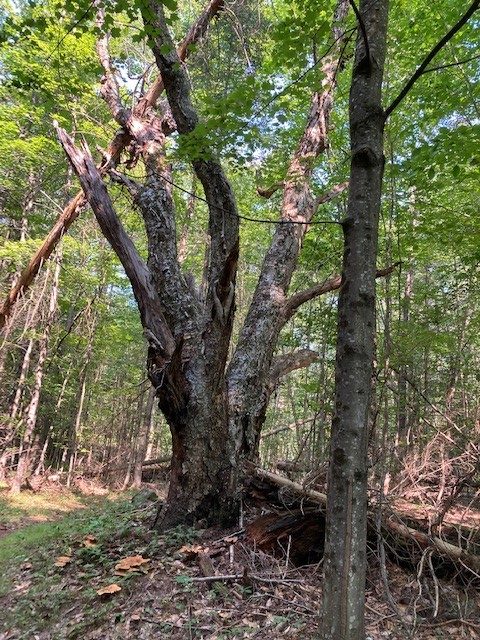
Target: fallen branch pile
405 535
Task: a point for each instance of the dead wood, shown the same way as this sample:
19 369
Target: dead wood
271 487
111 158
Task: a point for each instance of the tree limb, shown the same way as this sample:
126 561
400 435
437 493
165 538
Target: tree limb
195 33
110 91
44 251
423 66
288 427
155 327
223 214
331 194
258 337
288 362
267 192
331 284
394 527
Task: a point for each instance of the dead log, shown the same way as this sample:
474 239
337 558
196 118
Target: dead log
298 534
155 461
263 531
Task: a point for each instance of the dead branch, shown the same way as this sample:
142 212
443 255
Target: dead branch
392 524
331 284
288 362
155 326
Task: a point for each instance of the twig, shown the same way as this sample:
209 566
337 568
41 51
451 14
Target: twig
440 44
363 30
240 576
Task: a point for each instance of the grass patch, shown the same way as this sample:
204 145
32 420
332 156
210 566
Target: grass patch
35 594
39 507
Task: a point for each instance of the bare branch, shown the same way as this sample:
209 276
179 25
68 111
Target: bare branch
267 192
288 362
66 218
156 329
423 66
297 299
330 195
112 156
110 91
288 427
331 284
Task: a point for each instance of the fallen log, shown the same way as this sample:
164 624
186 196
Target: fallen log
154 461
391 525
315 496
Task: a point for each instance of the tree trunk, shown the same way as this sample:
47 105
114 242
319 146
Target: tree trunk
345 551
214 417
32 411
143 438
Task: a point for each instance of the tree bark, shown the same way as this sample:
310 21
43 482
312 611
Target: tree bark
249 368
133 126
214 417
345 551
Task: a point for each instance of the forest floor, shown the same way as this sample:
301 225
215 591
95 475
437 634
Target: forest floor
59 549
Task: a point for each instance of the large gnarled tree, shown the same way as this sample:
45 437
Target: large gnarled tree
215 406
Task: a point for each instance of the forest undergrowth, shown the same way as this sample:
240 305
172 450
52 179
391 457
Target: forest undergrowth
77 566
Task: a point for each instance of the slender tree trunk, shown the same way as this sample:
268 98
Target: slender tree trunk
345 545
11 427
76 427
21 380
32 411
402 420
143 438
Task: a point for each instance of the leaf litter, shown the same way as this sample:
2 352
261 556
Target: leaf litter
214 585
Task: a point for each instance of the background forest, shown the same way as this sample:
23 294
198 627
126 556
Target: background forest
74 389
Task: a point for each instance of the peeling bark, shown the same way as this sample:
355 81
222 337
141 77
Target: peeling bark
251 361
157 331
134 129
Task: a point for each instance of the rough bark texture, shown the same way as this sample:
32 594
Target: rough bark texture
345 552
195 401
250 365
214 415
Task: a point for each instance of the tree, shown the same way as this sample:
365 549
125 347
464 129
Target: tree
345 542
215 408
214 367
346 529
